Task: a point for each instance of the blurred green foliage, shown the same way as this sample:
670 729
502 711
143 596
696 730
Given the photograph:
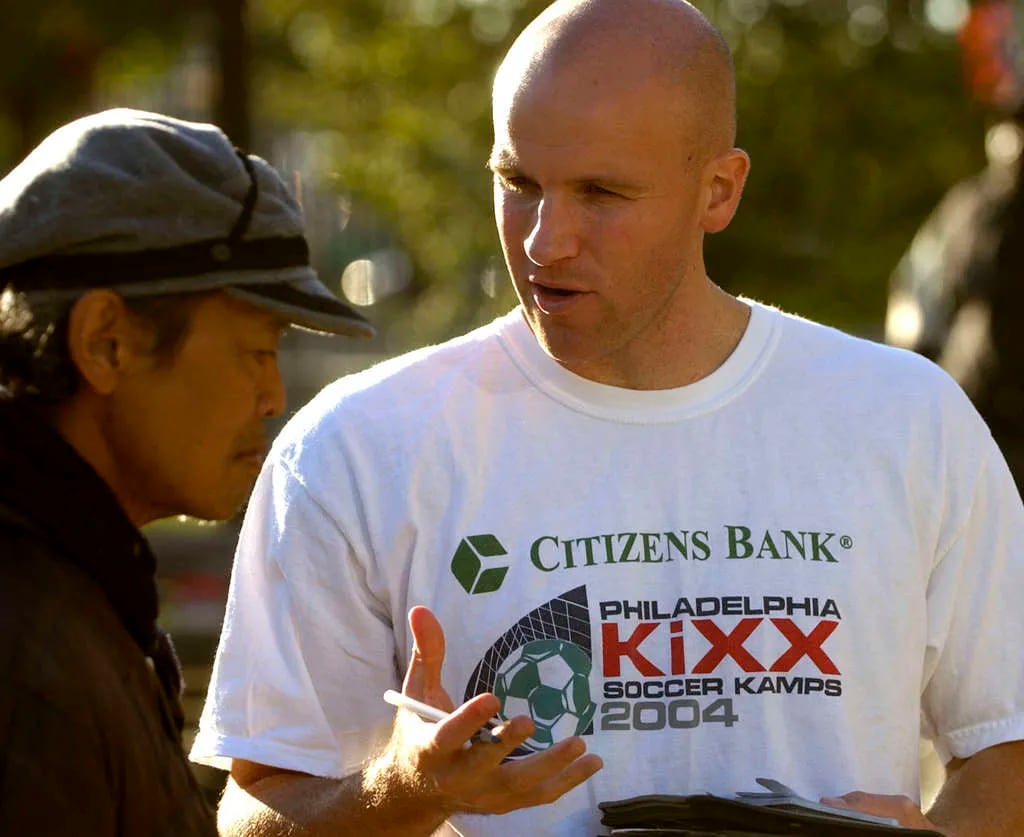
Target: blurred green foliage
852 143
51 52
854 112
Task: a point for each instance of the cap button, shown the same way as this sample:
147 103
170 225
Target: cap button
220 252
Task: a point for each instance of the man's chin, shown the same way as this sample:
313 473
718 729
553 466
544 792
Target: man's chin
562 345
220 508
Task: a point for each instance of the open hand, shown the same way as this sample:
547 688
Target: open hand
465 774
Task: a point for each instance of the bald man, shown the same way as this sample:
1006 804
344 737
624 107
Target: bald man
670 539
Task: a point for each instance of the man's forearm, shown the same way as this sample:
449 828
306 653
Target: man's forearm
983 796
374 801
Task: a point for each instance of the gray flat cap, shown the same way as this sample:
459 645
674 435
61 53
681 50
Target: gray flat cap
146 204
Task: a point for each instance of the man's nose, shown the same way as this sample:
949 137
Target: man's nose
272 396
555 233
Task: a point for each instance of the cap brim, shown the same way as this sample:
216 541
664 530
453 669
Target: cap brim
305 302
295 293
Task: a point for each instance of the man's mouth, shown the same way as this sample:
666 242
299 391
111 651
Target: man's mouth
255 451
552 300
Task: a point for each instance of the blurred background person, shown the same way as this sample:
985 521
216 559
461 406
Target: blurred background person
957 293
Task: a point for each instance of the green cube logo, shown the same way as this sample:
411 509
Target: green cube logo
468 564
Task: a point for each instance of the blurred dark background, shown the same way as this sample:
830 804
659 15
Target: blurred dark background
858 115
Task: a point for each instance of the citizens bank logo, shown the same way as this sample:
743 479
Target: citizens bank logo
469 564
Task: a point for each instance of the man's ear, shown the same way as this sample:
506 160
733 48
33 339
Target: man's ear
101 337
728 173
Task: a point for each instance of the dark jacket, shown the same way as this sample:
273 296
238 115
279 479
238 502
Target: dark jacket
90 715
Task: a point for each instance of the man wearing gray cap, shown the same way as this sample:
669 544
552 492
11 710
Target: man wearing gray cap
147 270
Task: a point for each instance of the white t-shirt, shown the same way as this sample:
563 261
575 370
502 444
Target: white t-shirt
790 568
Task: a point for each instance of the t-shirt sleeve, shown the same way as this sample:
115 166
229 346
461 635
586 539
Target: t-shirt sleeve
306 650
973 694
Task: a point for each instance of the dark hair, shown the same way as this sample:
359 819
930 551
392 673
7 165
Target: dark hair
34 358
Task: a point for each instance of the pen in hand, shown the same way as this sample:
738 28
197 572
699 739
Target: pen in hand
432 713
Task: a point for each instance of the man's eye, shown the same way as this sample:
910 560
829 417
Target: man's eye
600 191
512 184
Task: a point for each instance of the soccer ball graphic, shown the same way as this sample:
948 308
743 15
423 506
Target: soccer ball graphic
547 679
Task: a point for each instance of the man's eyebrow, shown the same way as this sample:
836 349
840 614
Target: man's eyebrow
612 184
502 160
505 162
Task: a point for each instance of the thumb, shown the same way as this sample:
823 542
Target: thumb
423 677
835 802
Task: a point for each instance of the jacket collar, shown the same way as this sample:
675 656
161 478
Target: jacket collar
69 505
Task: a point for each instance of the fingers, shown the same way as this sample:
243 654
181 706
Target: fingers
423 682
423 677
473 775
545 776
534 780
465 722
477 779
576 772
900 808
